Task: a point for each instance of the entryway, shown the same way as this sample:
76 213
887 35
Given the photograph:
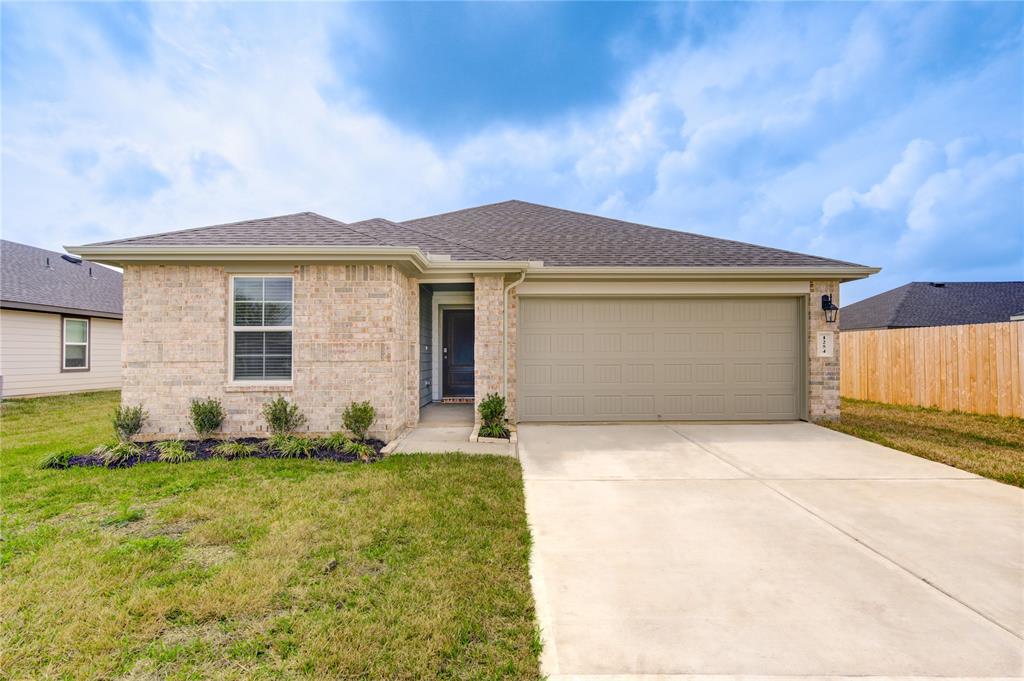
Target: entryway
457 353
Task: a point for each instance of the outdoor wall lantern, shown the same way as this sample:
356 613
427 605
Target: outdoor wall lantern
830 308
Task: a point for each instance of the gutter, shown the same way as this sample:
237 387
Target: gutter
504 330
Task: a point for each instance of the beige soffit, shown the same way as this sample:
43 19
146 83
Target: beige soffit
414 260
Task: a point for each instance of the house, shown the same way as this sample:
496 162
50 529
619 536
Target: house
923 303
60 323
573 317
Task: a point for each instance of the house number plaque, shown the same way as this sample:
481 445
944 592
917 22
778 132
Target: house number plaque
826 343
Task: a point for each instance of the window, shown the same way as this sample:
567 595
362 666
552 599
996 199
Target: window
261 328
75 355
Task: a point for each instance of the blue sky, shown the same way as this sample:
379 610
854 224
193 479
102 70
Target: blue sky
888 134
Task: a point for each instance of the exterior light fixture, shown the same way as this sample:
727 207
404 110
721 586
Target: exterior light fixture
830 308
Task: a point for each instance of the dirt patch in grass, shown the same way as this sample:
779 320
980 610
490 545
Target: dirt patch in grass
990 446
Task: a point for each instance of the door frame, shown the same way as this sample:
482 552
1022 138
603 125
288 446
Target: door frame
442 300
453 308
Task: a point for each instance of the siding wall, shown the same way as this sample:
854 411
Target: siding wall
30 355
426 344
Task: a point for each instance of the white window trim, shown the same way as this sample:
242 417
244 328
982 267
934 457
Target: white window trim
64 343
273 382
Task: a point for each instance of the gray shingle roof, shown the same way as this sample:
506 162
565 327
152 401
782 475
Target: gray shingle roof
511 230
923 303
26 282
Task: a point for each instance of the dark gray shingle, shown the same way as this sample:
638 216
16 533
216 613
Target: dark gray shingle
511 230
25 280
923 303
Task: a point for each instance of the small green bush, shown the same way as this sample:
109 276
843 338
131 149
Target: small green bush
358 417
173 451
335 442
361 450
234 450
493 430
292 447
492 416
282 416
207 416
128 421
118 453
57 459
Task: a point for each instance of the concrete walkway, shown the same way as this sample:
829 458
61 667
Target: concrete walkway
784 550
446 428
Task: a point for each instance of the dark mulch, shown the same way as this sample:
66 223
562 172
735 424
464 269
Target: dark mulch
204 450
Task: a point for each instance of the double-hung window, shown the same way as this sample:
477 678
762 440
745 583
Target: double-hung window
261 328
75 351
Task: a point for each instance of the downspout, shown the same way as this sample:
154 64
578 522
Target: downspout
504 343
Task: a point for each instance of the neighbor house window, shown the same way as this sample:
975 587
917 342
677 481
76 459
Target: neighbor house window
75 355
261 328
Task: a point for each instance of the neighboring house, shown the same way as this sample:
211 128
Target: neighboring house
923 303
60 323
574 317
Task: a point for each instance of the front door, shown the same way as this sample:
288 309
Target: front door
457 353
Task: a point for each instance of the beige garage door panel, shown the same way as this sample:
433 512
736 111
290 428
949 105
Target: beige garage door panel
586 359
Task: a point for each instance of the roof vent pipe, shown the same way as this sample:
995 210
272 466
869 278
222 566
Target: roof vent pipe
48 265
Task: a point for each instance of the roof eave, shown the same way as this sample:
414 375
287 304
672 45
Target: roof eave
415 261
410 259
840 272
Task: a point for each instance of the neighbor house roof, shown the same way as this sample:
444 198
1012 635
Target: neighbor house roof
511 230
37 279
923 303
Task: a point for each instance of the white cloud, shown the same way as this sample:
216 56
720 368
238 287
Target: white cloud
781 130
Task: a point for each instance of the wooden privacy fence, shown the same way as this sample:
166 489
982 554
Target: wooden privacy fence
972 367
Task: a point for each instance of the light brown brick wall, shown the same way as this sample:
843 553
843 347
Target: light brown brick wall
823 372
355 338
488 292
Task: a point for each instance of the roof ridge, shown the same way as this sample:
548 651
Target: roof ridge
197 229
463 210
444 238
902 299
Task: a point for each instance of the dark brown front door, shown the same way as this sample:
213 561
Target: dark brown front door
457 353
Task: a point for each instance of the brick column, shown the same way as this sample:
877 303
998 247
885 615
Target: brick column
488 336
823 372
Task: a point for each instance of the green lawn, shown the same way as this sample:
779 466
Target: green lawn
414 567
992 446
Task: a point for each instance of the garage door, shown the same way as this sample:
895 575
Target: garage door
589 359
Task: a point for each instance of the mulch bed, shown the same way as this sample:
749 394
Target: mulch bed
204 450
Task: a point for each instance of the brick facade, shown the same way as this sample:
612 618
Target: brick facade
356 330
488 338
822 372
355 333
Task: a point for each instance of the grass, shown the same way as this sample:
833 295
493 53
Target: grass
413 567
990 446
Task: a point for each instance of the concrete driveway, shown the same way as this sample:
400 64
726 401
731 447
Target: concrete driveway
768 550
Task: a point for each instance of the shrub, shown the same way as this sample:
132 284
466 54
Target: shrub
358 417
335 442
234 450
118 453
293 447
361 450
128 421
492 416
59 459
173 451
282 416
493 430
207 416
